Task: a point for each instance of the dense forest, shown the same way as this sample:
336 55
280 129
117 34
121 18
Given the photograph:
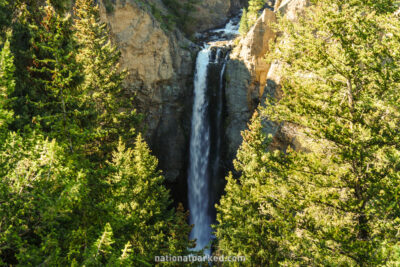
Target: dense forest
79 185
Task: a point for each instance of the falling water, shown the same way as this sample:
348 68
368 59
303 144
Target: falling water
204 165
198 182
216 166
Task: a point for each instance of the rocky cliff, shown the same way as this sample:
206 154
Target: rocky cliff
250 79
160 62
160 66
246 77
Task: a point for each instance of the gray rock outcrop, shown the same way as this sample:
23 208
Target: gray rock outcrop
250 79
246 76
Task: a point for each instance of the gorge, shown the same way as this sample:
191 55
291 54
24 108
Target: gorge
196 151
199 133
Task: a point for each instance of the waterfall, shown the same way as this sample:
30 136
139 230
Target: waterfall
198 181
205 138
216 166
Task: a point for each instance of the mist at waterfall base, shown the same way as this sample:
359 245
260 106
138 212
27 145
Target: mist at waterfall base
205 140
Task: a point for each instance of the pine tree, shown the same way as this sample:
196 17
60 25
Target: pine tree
7 84
101 252
140 206
254 7
39 192
55 76
244 26
5 16
124 258
245 227
341 89
179 230
112 114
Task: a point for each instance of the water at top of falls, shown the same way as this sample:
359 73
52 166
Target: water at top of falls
230 31
232 27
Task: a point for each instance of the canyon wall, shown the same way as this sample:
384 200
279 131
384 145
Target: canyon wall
160 65
161 60
249 79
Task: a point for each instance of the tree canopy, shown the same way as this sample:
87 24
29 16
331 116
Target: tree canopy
78 184
335 203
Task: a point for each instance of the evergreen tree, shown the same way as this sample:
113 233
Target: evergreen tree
7 84
254 7
39 191
101 250
66 83
5 16
55 75
20 44
111 113
179 230
244 26
244 228
140 206
335 204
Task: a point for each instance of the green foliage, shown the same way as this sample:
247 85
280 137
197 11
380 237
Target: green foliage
243 228
101 249
244 23
39 190
62 6
5 16
7 84
250 15
335 204
62 201
55 75
140 206
255 6
180 13
110 113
